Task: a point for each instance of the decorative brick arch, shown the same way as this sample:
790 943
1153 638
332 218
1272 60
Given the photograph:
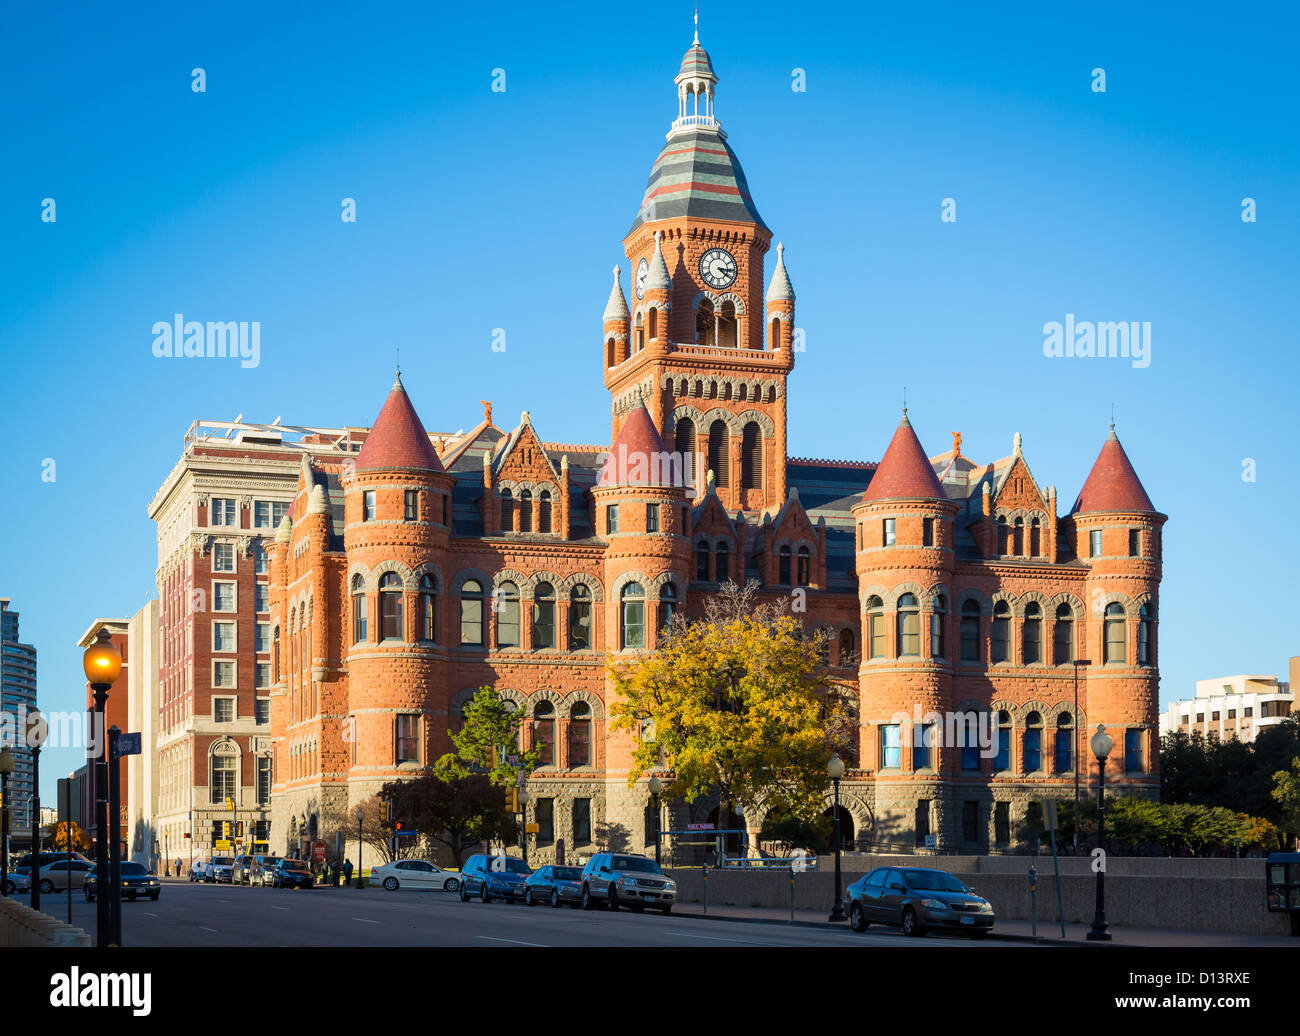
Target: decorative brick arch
541 577
590 582
509 575
1010 708
592 700
1004 596
358 569
466 574
1043 602
624 579
1149 599
544 694
970 594
429 568
717 413
1114 597
1076 606
678 413
657 585
933 593
403 572
762 420
891 602
864 820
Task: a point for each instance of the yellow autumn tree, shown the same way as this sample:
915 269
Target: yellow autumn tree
734 704
70 830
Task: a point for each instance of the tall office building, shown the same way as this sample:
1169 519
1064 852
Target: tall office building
17 692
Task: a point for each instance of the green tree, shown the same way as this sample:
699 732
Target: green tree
733 704
491 722
456 811
1286 792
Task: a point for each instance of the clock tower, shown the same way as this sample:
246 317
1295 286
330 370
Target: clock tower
699 342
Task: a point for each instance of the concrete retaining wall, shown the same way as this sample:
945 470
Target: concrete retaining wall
22 926
1210 895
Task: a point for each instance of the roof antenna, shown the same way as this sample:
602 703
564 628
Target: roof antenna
697 26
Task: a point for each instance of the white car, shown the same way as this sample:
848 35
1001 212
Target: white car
54 876
414 874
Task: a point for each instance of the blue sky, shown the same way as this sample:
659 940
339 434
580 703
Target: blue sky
480 210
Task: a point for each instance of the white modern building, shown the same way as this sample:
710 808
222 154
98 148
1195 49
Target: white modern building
1232 706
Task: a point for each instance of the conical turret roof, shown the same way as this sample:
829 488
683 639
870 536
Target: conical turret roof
616 307
639 456
398 439
904 472
1112 484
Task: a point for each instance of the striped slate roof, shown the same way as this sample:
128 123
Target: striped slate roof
697 174
695 62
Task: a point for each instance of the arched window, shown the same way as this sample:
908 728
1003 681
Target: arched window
774 341
580 735
544 733
1064 743
471 613
968 736
526 511
1004 536
1035 539
1146 619
751 457
653 323
1002 760
705 324
639 333
544 616
544 511
275 655
702 562
802 569
721 558
847 653
580 617
909 626
970 631
1018 547
507 511
667 604
719 452
390 607
1033 635
783 566
358 612
1114 645
633 602
428 609
507 609
684 447
225 771
939 627
875 627
1033 743
1001 632
1063 636
609 353
727 325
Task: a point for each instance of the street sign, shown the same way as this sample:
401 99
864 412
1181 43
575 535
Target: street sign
318 852
932 841
531 828
700 827
128 744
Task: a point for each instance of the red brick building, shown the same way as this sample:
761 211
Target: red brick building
421 567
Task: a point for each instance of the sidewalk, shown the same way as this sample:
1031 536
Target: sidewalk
1008 931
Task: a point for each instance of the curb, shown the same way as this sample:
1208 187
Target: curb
1035 940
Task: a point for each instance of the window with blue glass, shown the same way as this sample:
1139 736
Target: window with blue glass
1033 743
923 746
1002 761
968 739
891 746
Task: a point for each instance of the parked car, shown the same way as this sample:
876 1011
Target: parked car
614 879
136 881
54 877
292 874
240 870
493 877
555 885
219 869
262 870
917 899
24 864
414 874
199 870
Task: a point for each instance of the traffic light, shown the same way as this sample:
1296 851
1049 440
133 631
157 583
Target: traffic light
512 799
398 825
388 811
225 830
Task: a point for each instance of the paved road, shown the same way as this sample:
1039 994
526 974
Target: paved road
222 915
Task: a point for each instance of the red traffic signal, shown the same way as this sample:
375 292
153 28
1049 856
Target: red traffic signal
397 826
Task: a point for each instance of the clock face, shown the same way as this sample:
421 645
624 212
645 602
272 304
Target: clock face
718 268
642 272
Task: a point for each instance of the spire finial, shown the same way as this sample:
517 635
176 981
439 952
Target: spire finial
1112 417
904 400
697 26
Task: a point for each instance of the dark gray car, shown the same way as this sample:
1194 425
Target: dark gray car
917 899
555 885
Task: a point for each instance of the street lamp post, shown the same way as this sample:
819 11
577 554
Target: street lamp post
361 815
7 763
656 789
523 825
1074 752
1101 745
102 663
835 769
113 887
36 730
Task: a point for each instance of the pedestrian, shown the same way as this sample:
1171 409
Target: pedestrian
347 873
178 866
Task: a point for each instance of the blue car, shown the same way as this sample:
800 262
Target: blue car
493 877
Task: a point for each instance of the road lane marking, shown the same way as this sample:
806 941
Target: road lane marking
715 938
363 920
207 929
517 942
147 914
280 908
